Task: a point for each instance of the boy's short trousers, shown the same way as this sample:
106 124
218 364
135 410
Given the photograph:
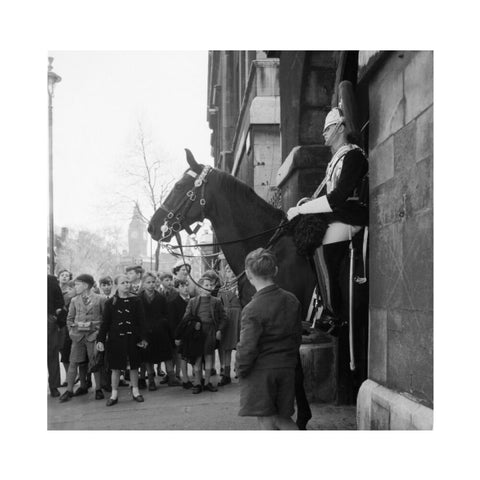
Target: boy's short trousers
267 392
81 351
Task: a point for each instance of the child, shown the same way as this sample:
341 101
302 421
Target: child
106 284
229 297
212 317
267 353
83 321
176 311
166 285
124 323
134 275
160 340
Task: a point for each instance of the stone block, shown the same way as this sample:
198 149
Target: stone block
312 121
364 404
387 203
323 59
267 77
387 104
317 91
380 417
386 251
418 84
381 408
401 414
422 418
318 362
404 148
419 188
394 320
381 163
377 355
265 110
417 262
424 135
410 356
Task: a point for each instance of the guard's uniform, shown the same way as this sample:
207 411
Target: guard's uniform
345 174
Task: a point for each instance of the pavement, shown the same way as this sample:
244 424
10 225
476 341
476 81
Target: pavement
174 408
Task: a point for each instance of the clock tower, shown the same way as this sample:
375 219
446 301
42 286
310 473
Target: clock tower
137 235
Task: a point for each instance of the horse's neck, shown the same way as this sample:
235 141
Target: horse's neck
236 218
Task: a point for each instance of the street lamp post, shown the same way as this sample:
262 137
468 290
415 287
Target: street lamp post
53 78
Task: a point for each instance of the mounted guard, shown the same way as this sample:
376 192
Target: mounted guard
340 202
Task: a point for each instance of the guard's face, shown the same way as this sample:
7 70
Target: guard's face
329 134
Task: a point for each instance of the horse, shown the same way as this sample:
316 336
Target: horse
242 222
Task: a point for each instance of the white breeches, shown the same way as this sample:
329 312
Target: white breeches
339 232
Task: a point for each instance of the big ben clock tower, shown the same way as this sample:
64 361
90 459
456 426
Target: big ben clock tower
137 235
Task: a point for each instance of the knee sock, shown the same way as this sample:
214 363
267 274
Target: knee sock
114 394
226 371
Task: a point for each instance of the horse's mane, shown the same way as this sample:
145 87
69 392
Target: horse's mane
245 194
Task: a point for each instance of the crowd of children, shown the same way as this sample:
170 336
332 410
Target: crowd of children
118 330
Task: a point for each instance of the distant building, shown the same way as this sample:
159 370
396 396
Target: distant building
137 235
244 114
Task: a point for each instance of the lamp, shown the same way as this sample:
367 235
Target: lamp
53 78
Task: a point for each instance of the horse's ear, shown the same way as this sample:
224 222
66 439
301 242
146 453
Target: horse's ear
192 162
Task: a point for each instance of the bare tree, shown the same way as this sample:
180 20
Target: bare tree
149 179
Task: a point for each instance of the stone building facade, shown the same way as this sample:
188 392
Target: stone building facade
244 115
394 93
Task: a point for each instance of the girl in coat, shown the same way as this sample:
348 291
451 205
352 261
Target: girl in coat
124 324
159 337
211 313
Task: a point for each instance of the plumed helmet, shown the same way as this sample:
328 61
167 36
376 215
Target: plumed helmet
335 115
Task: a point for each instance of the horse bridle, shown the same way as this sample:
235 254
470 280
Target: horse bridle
179 213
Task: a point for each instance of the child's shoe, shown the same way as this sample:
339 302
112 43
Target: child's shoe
196 389
210 387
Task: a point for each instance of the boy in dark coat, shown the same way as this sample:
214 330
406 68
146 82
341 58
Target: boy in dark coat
267 353
176 310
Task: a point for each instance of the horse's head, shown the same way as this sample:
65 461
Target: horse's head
184 205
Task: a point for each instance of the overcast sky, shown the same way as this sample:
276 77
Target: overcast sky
97 106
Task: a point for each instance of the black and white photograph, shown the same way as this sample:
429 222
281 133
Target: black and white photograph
255 217
240 240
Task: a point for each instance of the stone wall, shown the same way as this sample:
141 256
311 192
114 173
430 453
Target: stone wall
401 224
